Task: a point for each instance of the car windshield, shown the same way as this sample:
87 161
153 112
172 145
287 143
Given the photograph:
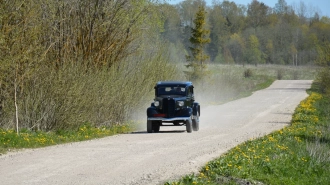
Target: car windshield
171 90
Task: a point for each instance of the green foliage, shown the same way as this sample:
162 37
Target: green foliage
219 59
288 35
257 14
323 81
253 54
297 154
199 38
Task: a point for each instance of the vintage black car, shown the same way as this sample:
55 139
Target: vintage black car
174 103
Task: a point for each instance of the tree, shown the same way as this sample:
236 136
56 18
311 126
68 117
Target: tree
253 53
188 9
281 7
219 32
257 14
172 23
19 51
199 38
236 47
226 18
269 52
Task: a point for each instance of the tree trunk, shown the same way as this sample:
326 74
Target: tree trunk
16 107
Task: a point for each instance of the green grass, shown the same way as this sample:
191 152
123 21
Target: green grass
297 154
10 140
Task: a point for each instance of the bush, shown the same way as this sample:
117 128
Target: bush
248 73
280 74
323 80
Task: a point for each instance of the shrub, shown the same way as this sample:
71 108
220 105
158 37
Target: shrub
280 74
248 73
323 80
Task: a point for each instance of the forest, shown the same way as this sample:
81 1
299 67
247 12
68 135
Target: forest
65 63
254 34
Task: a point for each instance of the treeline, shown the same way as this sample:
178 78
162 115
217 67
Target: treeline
256 33
65 63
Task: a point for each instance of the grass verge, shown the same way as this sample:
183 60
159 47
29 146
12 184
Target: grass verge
297 154
9 140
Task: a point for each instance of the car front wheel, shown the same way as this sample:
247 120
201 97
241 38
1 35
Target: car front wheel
195 122
188 126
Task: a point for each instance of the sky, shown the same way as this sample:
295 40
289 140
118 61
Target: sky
322 7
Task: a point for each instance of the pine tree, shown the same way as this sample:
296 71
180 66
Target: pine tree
199 38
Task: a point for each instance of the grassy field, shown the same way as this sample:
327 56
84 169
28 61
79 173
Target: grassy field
224 83
297 154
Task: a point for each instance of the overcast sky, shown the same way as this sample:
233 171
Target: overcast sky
321 6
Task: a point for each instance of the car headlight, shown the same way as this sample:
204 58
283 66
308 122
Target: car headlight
156 103
181 103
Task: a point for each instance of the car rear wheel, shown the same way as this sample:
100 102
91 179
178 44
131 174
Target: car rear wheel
149 126
188 126
156 126
195 123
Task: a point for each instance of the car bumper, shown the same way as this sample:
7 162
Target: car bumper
169 119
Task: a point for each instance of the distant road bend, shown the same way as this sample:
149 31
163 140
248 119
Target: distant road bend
142 158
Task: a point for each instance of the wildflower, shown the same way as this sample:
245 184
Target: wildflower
303 159
297 139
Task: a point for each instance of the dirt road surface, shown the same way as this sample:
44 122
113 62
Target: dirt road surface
142 158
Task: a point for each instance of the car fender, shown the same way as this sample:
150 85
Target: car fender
196 108
187 112
151 111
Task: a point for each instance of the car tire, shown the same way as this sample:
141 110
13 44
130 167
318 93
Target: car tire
188 126
195 123
156 126
149 126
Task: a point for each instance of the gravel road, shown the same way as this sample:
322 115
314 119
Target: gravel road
142 158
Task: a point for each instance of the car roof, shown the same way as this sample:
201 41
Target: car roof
170 83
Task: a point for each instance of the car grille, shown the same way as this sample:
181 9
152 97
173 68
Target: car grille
169 107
